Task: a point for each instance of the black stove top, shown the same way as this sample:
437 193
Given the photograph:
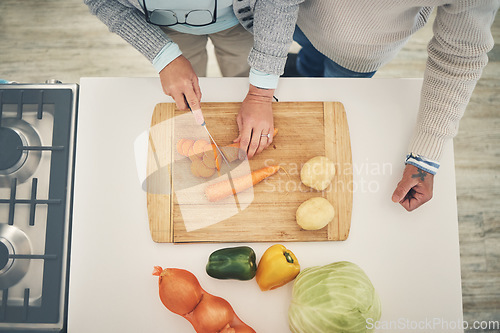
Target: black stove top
37 145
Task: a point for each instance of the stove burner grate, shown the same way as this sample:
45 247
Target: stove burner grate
12 242
17 138
37 140
10 142
33 201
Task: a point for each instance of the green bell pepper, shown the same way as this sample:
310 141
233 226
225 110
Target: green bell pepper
232 263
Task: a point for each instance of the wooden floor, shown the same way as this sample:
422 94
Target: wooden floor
59 39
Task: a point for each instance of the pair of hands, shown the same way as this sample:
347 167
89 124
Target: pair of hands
255 118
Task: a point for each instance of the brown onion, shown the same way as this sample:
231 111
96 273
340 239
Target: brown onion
180 290
212 314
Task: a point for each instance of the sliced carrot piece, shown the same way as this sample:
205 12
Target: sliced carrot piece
209 160
207 148
188 143
205 171
194 168
179 146
199 169
217 164
192 156
216 156
199 145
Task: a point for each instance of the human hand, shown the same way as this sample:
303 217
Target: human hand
254 120
179 81
414 189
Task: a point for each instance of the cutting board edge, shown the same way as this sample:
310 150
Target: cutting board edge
338 150
161 112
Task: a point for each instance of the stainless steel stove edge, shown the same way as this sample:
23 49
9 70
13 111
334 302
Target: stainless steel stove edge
61 325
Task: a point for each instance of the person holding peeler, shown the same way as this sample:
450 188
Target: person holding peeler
173 34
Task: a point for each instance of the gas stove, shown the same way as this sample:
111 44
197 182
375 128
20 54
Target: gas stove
37 146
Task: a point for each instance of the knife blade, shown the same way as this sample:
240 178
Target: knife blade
200 120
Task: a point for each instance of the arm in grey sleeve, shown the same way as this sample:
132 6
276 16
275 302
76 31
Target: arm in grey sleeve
273 27
456 58
130 24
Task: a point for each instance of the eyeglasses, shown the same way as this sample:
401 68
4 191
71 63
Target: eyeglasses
165 17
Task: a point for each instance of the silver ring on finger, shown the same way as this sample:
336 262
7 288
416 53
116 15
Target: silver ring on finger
268 136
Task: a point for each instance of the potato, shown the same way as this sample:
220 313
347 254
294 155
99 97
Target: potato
317 173
314 213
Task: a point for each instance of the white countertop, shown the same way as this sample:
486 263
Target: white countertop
412 259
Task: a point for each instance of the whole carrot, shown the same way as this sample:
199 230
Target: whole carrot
221 190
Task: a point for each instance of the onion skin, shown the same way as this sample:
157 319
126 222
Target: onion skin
181 293
212 314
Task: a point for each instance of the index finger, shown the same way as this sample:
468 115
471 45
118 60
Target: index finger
192 99
245 136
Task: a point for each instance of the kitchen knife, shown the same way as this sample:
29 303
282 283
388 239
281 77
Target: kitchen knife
198 117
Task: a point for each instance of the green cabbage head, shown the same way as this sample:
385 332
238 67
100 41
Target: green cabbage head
338 297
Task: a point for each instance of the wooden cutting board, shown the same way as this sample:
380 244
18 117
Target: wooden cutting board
306 129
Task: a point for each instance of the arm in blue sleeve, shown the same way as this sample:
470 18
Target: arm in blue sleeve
166 55
422 163
263 80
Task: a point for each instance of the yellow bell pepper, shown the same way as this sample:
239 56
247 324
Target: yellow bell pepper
277 267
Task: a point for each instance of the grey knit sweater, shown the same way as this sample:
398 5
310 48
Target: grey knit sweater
363 35
271 21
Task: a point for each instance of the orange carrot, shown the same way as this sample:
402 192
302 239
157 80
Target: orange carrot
199 146
179 146
186 145
221 190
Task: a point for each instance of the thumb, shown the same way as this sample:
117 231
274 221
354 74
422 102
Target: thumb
404 186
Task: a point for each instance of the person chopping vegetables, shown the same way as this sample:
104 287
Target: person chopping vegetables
172 34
